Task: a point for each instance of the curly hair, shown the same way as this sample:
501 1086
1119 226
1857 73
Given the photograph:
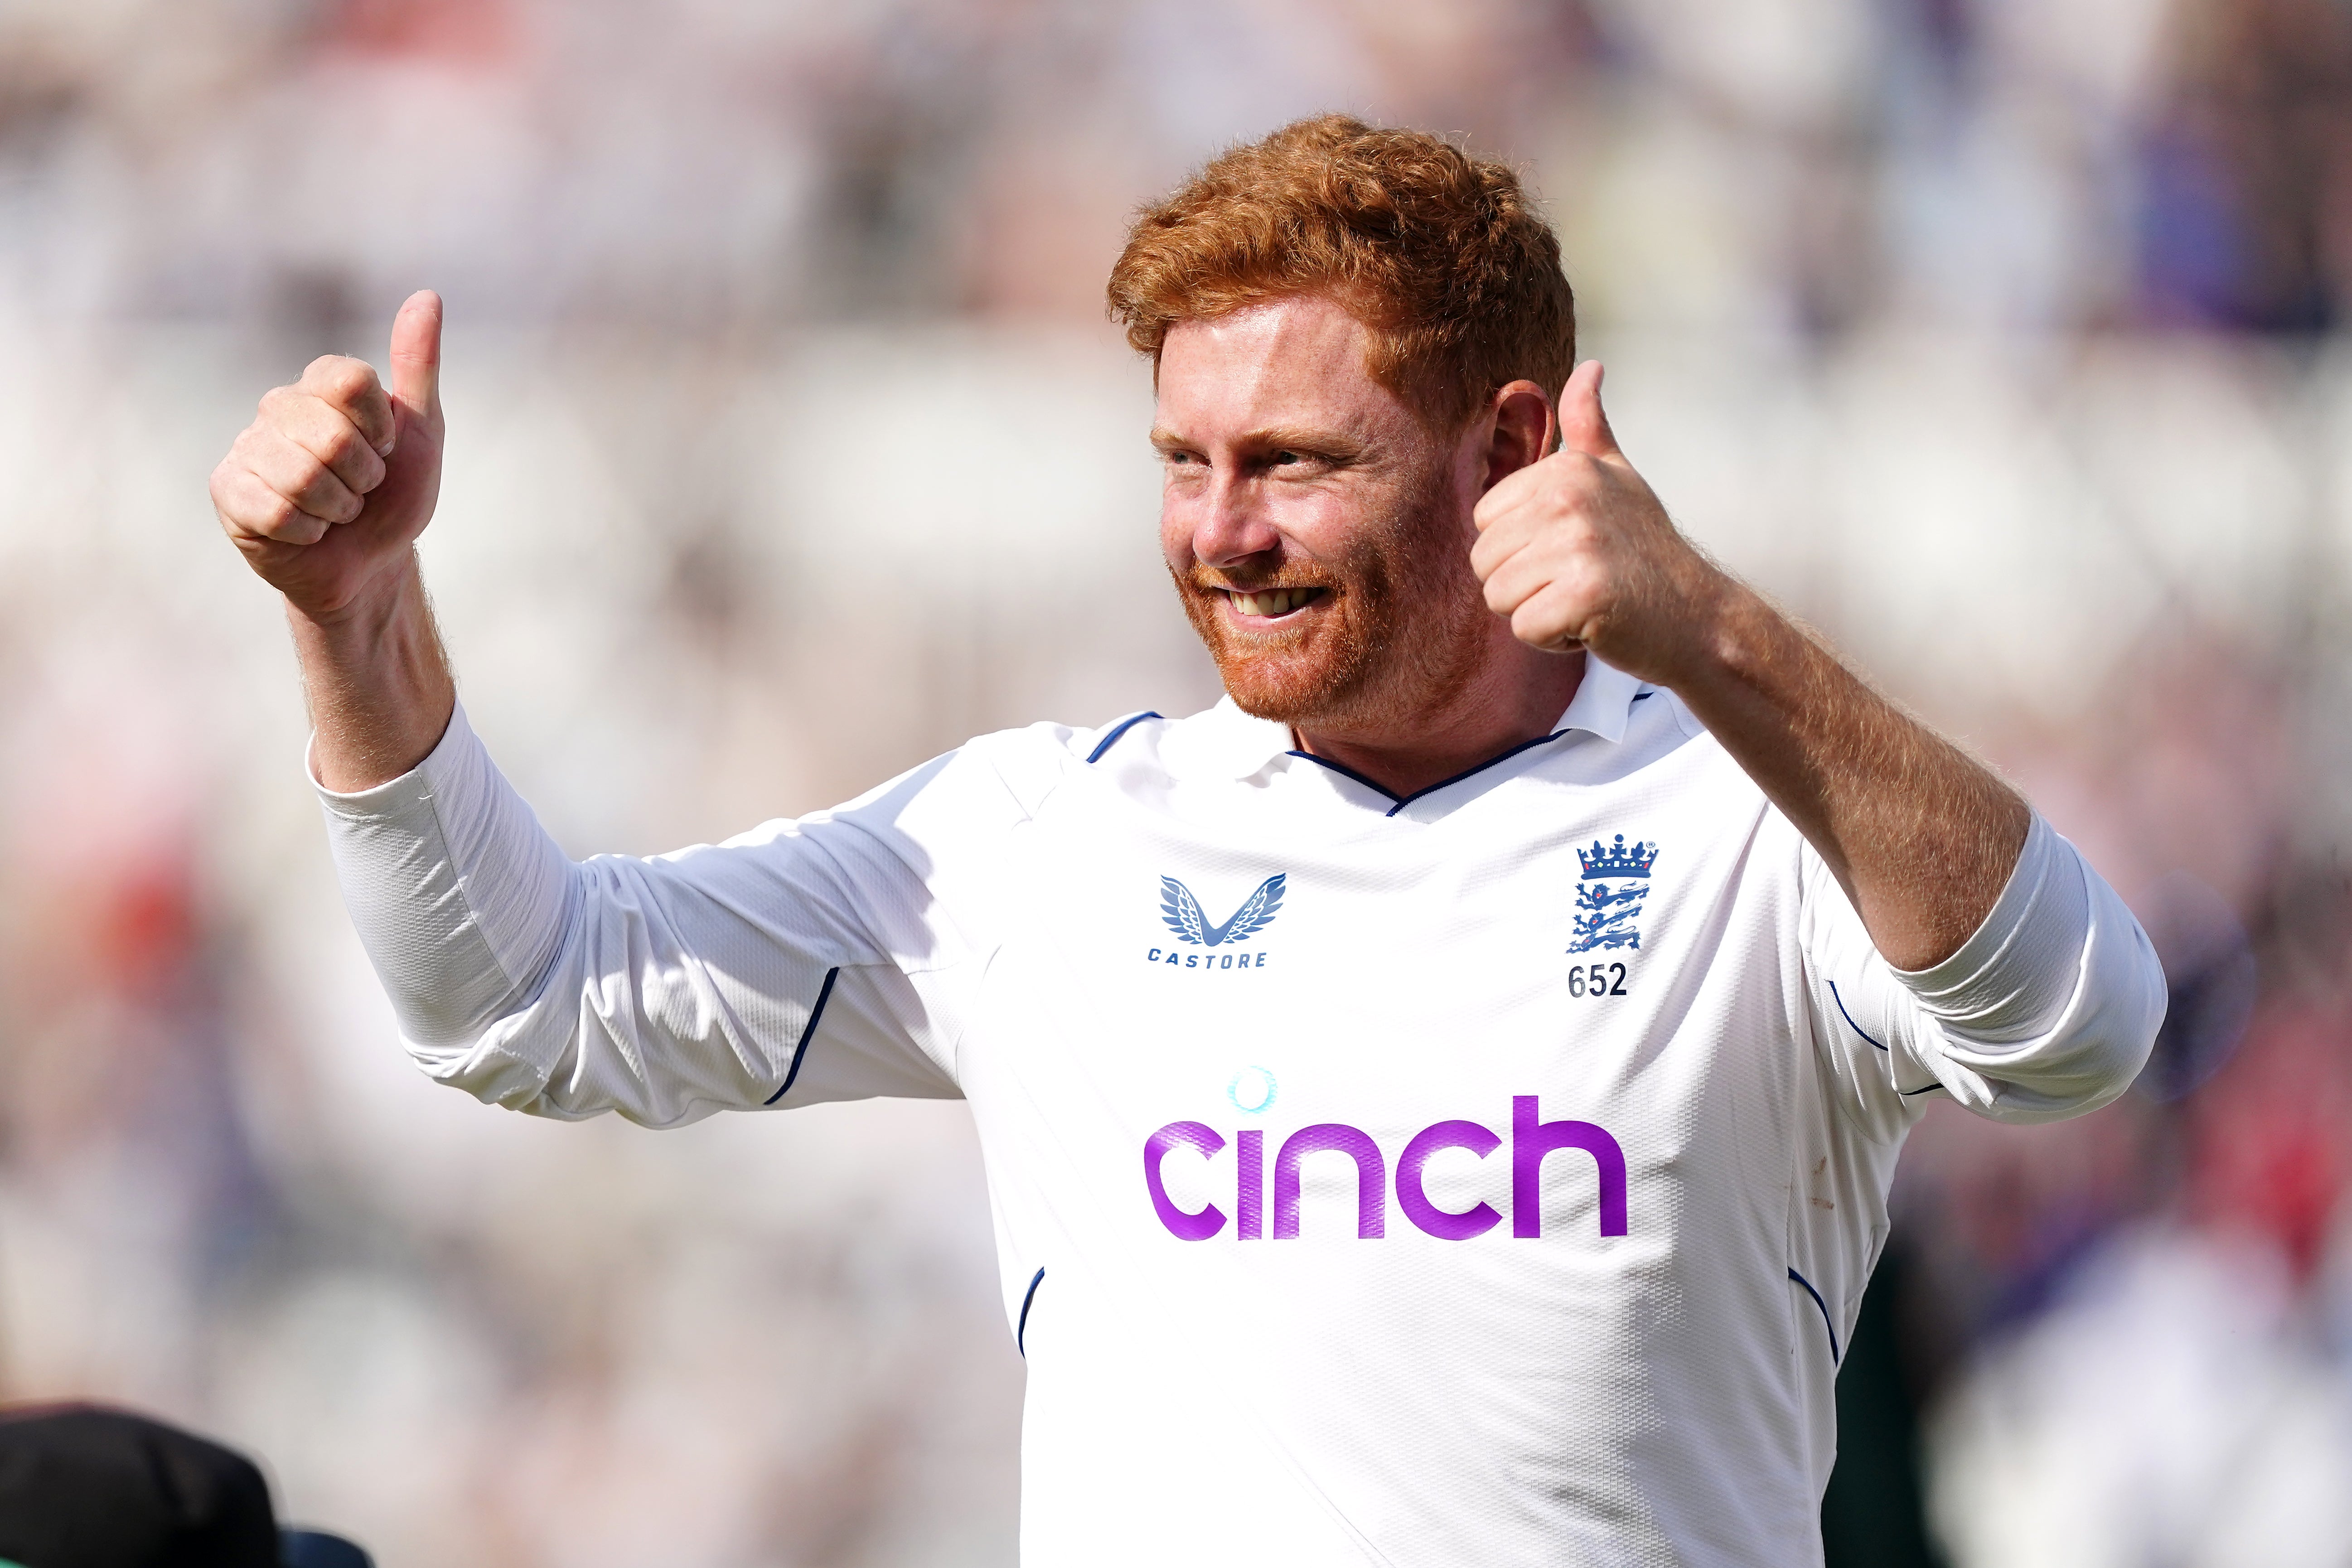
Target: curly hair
1439 254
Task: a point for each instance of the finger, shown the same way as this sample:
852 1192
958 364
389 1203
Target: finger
1508 495
1583 428
1549 619
250 509
1514 581
416 355
328 435
1505 535
1494 546
291 469
349 387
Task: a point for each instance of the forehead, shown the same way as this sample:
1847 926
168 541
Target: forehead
1287 362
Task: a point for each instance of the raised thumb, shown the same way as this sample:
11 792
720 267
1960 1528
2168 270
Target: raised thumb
416 355
1583 428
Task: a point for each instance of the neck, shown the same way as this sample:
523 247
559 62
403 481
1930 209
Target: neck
1517 698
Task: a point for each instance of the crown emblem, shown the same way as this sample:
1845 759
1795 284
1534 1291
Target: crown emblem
1620 861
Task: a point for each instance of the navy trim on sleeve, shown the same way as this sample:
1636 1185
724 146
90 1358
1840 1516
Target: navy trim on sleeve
1021 1334
1824 1306
1850 1024
1121 728
806 1035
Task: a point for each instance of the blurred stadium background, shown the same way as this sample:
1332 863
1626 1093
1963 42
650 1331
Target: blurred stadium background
789 445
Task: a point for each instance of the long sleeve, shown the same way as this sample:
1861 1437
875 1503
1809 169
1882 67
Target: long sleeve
2047 1011
778 967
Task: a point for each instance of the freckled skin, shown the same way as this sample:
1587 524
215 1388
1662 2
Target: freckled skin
1286 464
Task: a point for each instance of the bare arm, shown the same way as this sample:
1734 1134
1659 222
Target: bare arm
1577 550
1921 836
325 493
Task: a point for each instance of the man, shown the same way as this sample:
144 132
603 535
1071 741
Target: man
1439 1103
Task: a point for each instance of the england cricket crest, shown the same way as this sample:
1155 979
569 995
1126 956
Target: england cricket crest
1609 896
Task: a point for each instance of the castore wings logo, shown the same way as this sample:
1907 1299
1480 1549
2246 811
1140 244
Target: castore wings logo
1184 916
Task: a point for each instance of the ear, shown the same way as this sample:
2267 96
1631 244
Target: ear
1526 430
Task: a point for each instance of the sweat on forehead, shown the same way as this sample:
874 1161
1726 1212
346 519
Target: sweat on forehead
1440 256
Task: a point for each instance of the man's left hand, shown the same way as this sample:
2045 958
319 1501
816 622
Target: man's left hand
1576 551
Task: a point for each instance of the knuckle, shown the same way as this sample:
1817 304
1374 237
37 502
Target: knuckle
340 378
321 494
342 446
270 515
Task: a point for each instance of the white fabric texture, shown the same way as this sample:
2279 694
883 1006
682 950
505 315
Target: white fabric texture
1489 1176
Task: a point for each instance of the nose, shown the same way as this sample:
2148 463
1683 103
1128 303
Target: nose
1228 523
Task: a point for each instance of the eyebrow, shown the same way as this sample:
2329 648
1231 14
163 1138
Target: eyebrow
1325 443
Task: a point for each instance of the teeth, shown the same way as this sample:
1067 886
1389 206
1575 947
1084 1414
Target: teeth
1270 602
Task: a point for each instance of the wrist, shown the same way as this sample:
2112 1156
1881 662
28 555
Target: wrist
378 684
367 613
1728 633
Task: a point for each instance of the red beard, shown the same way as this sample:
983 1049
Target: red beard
1400 625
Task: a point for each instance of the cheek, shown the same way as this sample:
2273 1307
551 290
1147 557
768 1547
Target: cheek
1330 525
1176 530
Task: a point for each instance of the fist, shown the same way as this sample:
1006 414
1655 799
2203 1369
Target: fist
326 489
1576 551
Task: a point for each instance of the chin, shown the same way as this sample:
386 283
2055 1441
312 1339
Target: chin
1289 696
1309 680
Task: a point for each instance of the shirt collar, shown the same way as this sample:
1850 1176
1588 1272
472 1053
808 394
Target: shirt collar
1603 703
1239 746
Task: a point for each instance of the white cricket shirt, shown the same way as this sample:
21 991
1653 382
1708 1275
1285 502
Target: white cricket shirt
1489 1176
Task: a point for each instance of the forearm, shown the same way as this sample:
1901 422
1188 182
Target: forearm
1922 837
377 682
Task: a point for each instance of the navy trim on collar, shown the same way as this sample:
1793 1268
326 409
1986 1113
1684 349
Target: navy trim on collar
1404 799
1112 739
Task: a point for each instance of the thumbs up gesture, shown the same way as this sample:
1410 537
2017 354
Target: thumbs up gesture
1576 551
326 489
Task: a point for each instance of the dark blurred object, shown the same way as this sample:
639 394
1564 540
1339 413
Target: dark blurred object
1873 1514
2212 979
315 1549
86 1488
2243 219
101 1489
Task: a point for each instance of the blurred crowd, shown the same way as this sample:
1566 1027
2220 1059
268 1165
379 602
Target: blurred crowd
2005 339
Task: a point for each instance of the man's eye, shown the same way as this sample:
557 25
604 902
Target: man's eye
1288 457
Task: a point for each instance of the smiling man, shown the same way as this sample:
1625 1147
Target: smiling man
1439 1103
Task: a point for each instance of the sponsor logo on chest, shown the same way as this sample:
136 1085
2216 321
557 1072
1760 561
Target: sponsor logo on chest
1202 943
1532 1141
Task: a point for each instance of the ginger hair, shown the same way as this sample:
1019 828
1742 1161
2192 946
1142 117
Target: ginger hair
1440 255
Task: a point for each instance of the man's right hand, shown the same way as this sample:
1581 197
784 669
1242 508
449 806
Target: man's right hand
326 492
326 489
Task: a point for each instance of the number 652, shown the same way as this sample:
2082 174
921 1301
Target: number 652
1597 979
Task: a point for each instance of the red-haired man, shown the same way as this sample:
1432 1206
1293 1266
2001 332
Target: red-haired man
1439 1103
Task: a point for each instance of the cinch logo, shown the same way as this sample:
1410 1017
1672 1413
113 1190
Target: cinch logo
1532 1139
1182 913
1609 895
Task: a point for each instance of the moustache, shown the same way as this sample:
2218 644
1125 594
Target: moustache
1203 580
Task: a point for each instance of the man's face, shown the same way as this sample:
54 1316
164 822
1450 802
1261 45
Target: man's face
1317 531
